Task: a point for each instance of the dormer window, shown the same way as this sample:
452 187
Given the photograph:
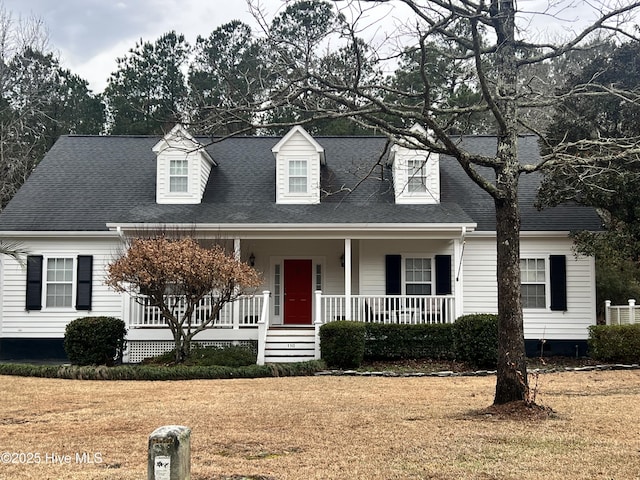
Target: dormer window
178 176
183 168
298 163
298 176
417 173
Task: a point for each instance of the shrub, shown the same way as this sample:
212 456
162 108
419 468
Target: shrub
615 343
407 342
94 340
476 339
342 344
231 356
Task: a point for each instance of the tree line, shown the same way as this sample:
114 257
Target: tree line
454 67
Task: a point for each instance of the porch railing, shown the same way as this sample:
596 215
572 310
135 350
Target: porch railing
407 309
244 312
621 314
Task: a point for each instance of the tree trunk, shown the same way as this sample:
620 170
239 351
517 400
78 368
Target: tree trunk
511 383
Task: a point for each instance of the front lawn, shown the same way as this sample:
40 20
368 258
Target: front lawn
329 427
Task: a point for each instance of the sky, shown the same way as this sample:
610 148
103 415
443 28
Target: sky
89 35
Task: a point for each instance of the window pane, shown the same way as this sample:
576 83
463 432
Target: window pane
297 176
59 287
178 184
416 176
418 276
297 185
533 296
178 167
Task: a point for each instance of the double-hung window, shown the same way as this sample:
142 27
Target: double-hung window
59 283
533 282
178 176
298 176
416 175
418 278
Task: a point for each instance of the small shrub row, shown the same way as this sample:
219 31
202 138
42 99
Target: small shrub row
230 356
615 343
94 340
472 339
150 372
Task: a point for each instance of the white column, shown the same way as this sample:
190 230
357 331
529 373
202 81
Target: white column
458 274
607 312
234 307
347 278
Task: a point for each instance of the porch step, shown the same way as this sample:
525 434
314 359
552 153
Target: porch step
288 345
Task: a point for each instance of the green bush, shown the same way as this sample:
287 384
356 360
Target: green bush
476 339
615 343
231 356
408 342
94 340
153 372
342 344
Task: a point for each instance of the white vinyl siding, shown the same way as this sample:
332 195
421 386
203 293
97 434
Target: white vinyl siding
481 289
59 283
50 322
533 282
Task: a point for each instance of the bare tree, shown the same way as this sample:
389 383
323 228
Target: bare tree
495 40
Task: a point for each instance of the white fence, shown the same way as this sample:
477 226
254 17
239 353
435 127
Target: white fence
244 312
621 314
406 309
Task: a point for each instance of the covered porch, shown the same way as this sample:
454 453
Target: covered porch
389 274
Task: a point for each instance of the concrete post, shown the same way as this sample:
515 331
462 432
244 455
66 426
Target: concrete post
169 453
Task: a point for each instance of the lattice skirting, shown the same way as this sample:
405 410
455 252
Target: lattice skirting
138 350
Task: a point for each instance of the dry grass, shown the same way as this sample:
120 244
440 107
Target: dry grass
327 428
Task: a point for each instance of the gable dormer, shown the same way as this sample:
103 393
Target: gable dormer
298 160
416 172
182 168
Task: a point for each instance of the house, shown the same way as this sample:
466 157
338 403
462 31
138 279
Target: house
341 227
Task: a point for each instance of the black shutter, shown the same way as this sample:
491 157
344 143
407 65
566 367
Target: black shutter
558 275
84 278
443 274
393 275
34 282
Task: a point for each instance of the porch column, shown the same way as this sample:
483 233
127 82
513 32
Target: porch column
235 311
347 278
458 290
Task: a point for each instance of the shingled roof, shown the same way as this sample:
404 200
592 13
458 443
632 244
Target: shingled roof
87 182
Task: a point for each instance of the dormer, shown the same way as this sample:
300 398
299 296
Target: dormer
182 168
298 160
416 172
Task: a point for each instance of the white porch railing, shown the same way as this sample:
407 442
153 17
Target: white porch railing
621 314
244 312
405 309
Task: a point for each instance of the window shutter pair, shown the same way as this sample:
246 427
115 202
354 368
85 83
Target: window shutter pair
35 278
393 275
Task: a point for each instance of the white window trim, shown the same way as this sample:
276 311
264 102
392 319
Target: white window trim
186 193
403 276
547 283
74 280
423 160
288 176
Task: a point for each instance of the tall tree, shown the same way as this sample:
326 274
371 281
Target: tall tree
39 101
596 135
228 71
489 38
148 93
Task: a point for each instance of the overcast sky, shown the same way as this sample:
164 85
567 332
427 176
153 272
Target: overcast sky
89 35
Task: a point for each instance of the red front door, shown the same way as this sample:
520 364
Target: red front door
297 292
